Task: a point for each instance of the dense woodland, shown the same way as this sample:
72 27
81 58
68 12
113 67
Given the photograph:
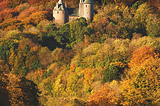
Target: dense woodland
111 61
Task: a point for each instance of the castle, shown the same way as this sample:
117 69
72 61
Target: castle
62 14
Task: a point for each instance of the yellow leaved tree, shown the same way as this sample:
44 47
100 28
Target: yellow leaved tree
142 85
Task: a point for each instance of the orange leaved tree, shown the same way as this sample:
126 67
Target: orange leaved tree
106 96
141 54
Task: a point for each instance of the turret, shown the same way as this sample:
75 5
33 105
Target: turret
88 9
60 13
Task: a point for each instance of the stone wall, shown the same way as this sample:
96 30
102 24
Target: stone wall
81 10
60 16
72 18
88 14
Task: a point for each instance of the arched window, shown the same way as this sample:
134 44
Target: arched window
57 12
86 5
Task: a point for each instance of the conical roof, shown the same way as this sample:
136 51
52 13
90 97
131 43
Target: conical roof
60 6
60 2
88 2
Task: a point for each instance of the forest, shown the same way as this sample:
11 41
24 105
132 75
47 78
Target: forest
112 61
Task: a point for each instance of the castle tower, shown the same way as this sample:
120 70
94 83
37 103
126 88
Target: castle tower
60 13
88 9
81 8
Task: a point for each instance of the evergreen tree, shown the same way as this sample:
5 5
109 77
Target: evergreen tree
110 72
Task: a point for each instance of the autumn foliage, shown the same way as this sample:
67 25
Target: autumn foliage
104 97
141 84
111 61
6 14
16 90
141 54
3 5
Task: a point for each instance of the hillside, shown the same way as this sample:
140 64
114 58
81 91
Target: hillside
111 61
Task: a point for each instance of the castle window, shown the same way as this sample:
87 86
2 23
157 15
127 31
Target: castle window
86 5
57 12
87 12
